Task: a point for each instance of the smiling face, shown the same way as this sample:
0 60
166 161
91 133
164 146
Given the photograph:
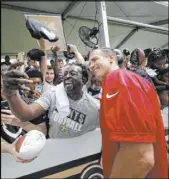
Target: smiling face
36 81
100 64
73 79
49 77
60 63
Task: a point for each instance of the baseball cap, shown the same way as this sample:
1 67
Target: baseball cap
34 73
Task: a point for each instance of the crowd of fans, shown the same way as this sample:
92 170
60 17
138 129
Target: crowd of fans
82 88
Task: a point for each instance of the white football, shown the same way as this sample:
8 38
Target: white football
30 145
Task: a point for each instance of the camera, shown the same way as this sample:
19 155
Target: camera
68 54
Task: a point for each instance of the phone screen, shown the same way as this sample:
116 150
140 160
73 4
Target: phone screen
4 105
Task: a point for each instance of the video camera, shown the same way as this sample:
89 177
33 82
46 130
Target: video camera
68 54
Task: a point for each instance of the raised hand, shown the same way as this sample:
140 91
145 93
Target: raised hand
73 48
55 49
14 79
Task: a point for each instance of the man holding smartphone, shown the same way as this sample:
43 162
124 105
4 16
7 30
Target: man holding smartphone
36 88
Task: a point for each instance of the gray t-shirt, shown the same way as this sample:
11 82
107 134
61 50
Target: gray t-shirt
83 117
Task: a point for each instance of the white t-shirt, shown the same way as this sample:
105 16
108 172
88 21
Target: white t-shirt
46 87
83 117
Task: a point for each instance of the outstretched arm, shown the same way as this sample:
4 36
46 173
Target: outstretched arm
12 81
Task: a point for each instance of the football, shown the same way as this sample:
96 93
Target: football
30 145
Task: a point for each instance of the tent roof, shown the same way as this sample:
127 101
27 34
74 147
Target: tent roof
141 11
144 11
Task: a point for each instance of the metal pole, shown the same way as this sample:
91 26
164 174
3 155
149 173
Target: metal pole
103 26
165 45
69 9
162 22
141 26
127 37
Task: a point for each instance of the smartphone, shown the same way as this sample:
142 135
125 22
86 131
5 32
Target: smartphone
4 105
39 88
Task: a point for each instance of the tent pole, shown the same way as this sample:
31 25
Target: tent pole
69 9
103 26
165 45
127 37
161 22
141 26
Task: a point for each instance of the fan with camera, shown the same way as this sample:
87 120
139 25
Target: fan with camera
68 54
89 36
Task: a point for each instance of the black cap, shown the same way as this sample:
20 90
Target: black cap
34 73
35 54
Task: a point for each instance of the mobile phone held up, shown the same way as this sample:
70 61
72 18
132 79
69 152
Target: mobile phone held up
4 105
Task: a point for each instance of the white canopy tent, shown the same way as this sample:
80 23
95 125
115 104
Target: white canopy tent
16 38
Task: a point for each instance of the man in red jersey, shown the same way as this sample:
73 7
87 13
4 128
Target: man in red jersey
132 128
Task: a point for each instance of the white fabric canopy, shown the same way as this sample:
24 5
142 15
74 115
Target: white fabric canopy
15 37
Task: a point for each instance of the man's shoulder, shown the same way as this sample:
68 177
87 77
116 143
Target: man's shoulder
126 77
116 78
91 100
88 96
121 72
